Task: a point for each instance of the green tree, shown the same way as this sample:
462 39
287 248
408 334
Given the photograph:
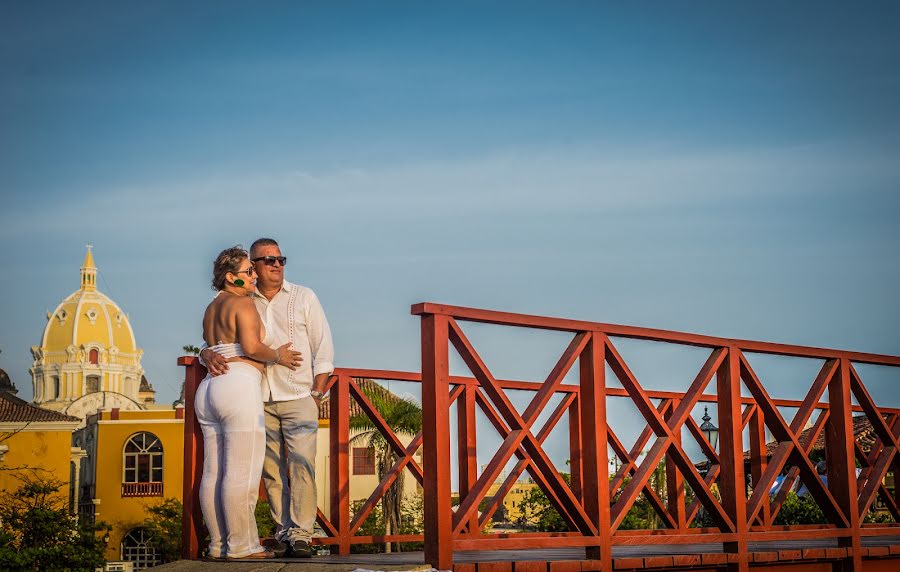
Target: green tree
38 533
163 523
191 350
404 417
536 512
800 510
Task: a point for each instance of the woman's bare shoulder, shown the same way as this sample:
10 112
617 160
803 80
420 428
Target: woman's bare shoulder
239 304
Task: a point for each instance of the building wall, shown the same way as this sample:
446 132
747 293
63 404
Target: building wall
50 450
513 501
361 486
126 513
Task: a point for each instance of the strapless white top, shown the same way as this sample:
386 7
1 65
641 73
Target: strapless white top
229 350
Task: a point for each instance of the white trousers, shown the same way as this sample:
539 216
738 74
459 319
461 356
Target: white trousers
230 411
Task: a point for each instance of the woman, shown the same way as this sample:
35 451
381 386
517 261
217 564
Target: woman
230 410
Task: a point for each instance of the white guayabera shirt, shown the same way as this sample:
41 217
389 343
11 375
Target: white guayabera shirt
295 315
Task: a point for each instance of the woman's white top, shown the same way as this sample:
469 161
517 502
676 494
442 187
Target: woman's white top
229 350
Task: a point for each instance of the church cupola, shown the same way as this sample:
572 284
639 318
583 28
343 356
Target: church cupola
88 349
89 272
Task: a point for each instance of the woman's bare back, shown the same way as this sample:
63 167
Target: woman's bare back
220 323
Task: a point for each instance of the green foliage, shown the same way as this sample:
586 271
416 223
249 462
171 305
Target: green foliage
800 510
640 516
411 522
191 350
372 526
879 517
536 512
264 522
38 533
163 523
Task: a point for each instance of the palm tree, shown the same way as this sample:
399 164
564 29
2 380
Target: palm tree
404 417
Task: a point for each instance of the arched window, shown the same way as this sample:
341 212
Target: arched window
94 356
137 548
55 387
143 466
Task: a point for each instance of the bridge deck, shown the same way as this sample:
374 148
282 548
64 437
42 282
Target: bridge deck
880 554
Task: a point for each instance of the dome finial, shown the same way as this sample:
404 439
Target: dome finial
89 270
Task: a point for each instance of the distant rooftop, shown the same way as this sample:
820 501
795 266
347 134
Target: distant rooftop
15 410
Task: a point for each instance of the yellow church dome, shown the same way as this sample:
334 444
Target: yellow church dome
88 317
88 346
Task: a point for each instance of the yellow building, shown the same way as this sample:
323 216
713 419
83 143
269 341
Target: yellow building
87 369
88 357
134 459
34 441
512 502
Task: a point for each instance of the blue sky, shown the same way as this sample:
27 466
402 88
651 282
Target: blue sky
700 166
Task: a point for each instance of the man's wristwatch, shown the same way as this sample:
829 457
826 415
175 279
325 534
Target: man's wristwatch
317 394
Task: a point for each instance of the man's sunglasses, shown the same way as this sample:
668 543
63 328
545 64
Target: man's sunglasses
270 260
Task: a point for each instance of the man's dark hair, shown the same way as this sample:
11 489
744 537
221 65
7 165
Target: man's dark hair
262 242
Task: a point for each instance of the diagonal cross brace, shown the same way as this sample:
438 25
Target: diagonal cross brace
523 463
790 447
761 489
629 467
520 430
665 436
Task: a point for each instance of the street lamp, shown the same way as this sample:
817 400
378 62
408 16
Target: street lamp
711 432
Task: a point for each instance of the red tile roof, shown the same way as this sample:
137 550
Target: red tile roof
368 387
863 433
15 410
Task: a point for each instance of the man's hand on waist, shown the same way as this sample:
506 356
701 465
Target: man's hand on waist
215 363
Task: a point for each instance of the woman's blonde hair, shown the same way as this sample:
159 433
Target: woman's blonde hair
229 260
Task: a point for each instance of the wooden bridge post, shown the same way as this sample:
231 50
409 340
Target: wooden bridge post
674 480
192 529
732 484
436 441
592 380
839 442
339 444
467 459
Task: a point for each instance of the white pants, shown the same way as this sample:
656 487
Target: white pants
230 411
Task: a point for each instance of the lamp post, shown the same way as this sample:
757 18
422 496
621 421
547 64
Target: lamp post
711 432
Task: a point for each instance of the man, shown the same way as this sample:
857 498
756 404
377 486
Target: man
291 313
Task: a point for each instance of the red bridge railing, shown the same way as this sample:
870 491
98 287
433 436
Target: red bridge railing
595 501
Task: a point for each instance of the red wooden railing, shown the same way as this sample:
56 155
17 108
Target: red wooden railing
595 504
595 501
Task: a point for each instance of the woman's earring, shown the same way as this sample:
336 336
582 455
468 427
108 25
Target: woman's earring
238 282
